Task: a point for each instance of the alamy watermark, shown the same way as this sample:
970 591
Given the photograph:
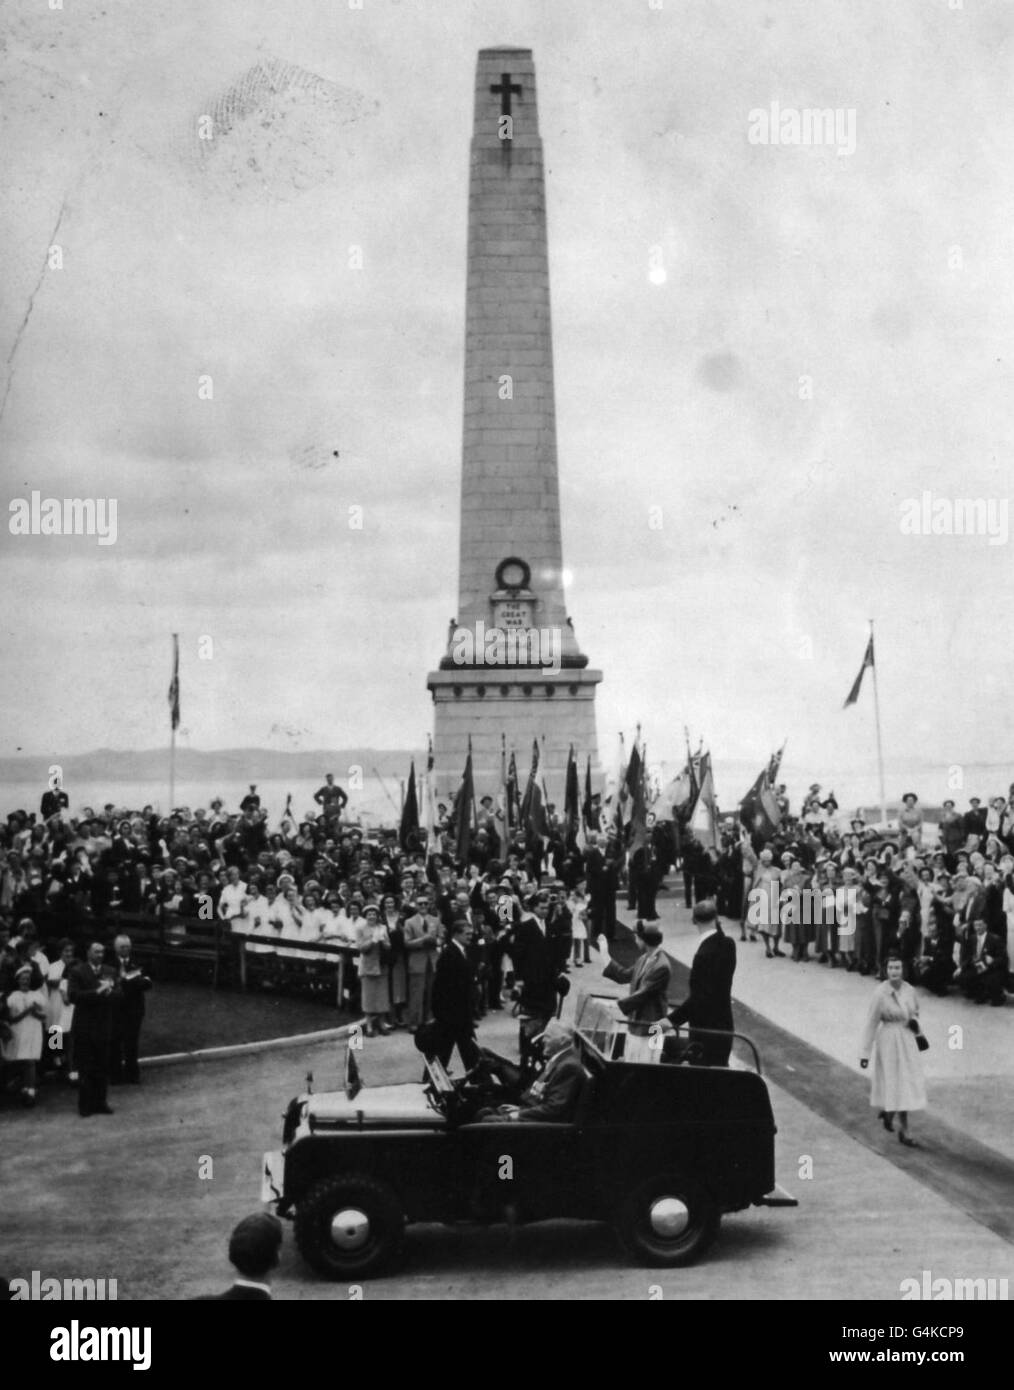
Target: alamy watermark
68 516
955 516
37 1287
942 1289
770 905
506 646
787 125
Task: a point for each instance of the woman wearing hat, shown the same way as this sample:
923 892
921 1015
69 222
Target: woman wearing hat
910 820
372 941
892 1026
26 1012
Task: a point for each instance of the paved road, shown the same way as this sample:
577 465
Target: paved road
123 1198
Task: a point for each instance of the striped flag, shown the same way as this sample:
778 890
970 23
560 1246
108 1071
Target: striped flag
174 685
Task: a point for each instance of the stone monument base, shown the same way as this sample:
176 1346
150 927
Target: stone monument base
522 704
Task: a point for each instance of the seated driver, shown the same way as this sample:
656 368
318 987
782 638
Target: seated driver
554 1096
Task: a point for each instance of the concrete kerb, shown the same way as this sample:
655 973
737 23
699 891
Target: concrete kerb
215 1054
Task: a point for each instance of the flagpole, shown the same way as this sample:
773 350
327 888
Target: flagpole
876 716
172 728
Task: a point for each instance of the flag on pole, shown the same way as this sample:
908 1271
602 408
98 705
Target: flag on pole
638 812
633 781
512 812
588 809
679 796
853 694
775 764
571 801
432 836
532 815
408 830
174 685
704 821
503 796
464 810
759 810
613 786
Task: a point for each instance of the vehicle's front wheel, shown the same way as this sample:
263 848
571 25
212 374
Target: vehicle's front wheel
350 1225
667 1221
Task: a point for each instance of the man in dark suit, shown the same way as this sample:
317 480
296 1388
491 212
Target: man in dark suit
560 925
453 996
253 1250
709 1003
975 819
602 870
90 989
128 1015
982 965
537 971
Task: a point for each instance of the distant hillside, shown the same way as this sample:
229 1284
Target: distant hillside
225 764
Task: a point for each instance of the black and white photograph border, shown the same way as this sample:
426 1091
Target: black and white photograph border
505 592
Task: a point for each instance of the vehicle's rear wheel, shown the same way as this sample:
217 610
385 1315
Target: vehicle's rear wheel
349 1225
667 1221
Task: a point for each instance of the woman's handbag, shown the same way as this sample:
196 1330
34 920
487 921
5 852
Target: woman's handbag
921 1041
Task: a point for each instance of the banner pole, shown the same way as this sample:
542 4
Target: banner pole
876 716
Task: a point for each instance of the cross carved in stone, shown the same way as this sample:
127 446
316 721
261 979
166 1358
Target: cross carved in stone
506 88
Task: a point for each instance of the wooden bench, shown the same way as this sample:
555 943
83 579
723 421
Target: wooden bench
272 962
168 940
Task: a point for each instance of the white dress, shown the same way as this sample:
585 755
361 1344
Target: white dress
25 1041
59 1014
256 921
898 1082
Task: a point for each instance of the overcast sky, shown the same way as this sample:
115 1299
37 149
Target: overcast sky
884 275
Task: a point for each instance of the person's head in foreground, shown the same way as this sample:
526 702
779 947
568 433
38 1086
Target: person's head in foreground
255 1245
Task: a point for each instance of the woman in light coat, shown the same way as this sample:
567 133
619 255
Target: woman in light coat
892 1025
371 938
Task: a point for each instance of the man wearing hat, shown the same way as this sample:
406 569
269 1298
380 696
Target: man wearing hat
253 1251
709 1003
975 822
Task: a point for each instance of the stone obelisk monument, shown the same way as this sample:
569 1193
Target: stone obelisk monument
512 670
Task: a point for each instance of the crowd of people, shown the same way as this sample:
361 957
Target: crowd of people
69 882
844 897
850 897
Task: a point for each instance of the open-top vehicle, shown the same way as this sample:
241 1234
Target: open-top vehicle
660 1151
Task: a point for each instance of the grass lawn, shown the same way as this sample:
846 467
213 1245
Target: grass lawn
182 1017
